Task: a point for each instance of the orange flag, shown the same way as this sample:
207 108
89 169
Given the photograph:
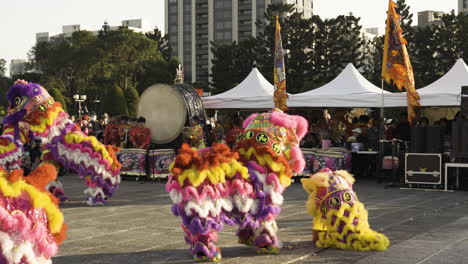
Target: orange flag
279 73
396 64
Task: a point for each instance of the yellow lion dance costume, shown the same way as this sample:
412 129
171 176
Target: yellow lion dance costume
339 218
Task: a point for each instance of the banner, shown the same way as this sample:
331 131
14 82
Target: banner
279 74
396 65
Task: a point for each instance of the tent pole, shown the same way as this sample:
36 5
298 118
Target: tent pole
382 136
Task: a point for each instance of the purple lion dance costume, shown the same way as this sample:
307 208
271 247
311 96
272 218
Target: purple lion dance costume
216 186
33 113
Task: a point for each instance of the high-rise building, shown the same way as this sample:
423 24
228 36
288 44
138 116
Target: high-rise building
463 6
193 24
17 66
137 25
429 18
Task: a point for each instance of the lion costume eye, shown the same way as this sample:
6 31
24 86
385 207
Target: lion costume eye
17 100
42 108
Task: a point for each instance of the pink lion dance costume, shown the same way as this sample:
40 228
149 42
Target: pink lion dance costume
31 224
33 113
216 186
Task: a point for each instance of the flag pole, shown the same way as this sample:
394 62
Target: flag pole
382 134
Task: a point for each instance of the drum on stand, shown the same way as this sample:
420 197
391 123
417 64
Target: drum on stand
309 155
133 162
159 161
168 109
328 159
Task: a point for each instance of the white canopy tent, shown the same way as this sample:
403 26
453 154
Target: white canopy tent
253 92
443 92
348 89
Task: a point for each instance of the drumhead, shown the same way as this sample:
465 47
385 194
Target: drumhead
165 111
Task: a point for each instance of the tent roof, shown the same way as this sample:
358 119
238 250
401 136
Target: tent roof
443 92
451 82
253 92
348 89
446 90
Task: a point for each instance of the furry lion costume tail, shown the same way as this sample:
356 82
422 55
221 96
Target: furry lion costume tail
339 218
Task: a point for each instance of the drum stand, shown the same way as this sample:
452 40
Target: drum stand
395 151
149 167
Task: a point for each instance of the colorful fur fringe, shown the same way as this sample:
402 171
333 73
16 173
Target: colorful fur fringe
339 218
216 186
31 224
33 113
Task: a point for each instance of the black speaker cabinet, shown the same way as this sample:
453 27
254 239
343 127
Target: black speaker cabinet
418 139
460 138
423 168
464 100
433 139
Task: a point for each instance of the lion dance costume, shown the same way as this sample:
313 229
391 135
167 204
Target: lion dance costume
216 186
339 218
33 113
31 224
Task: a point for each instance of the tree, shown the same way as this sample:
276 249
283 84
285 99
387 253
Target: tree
132 97
163 42
223 62
58 97
115 103
2 67
406 19
300 39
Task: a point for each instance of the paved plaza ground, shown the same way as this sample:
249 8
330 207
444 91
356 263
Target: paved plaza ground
137 226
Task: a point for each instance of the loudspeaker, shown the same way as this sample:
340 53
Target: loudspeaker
418 139
433 139
464 100
460 138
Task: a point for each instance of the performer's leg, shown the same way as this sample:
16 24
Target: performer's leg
200 234
55 187
246 230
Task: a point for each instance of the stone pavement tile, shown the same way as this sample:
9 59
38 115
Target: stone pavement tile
386 260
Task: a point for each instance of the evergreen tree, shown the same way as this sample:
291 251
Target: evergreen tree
2 67
163 42
223 64
132 97
58 97
115 103
424 56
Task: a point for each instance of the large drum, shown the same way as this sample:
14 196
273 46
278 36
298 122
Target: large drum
133 161
309 159
168 109
159 161
328 159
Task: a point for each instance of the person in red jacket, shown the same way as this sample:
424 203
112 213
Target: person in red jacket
140 136
111 134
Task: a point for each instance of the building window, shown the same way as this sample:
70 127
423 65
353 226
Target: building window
465 3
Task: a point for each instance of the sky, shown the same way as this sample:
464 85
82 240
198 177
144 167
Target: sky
21 20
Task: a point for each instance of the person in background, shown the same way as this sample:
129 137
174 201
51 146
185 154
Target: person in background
234 132
111 133
390 125
423 122
140 135
373 135
197 135
403 129
217 132
123 131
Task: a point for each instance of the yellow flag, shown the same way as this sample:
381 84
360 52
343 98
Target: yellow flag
396 65
279 73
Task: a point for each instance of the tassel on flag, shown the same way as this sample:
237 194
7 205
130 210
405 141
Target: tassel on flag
396 64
